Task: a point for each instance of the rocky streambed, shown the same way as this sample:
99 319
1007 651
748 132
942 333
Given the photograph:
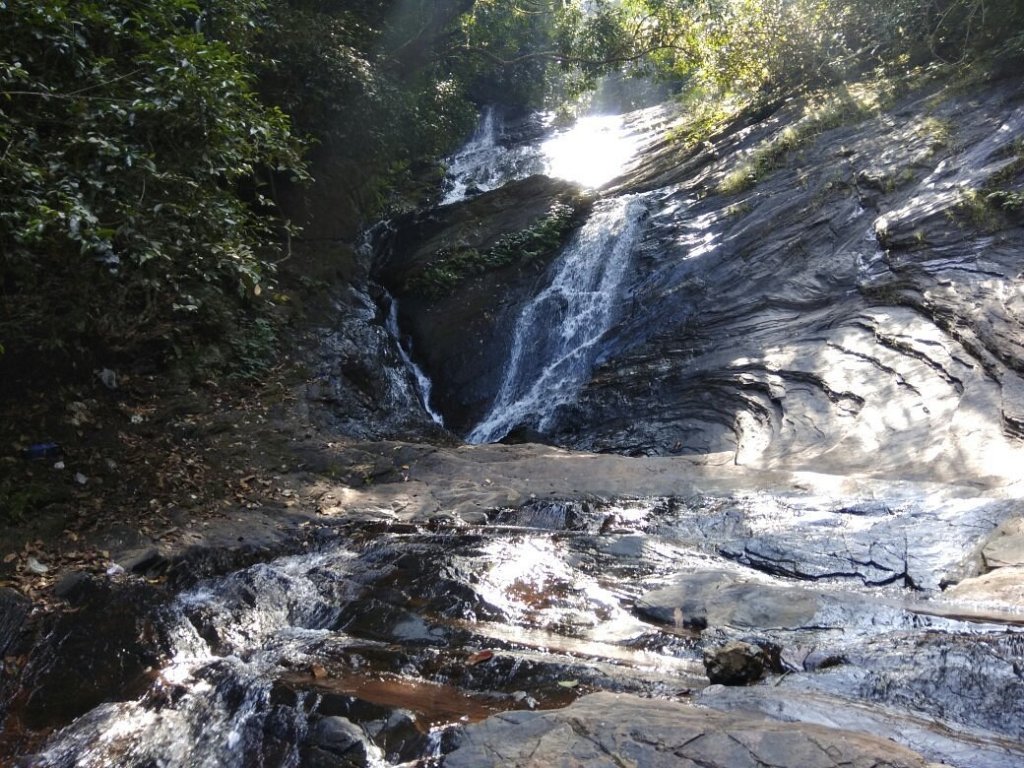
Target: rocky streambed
565 625
783 526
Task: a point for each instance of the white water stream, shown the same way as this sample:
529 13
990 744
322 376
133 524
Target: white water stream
422 381
591 152
485 163
555 337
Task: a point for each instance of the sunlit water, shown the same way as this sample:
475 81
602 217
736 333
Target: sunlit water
556 336
591 152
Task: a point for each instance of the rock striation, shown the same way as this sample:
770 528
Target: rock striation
608 731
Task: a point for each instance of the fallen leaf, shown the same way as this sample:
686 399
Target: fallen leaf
10 558
318 672
479 658
568 683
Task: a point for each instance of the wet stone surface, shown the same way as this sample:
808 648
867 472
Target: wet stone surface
608 731
380 646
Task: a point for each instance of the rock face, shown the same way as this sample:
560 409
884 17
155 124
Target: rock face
855 310
334 742
461 335
858 309
362 387
608 731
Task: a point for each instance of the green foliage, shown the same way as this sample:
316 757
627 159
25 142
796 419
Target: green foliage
751 47
504 45
127 132
253 348
450 267
828 110
1000 201
372 88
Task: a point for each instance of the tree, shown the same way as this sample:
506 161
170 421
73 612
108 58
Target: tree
132 151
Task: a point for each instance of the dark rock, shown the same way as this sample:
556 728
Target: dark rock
335 742
399 736
362 385
73 586
146 561
14 608
281 735
735 663
102 651
460 337
608 731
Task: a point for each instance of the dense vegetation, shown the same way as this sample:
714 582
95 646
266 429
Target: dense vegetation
150 150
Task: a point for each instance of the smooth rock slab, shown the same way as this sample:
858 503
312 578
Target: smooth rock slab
1001 588
1006 547
606 730
721 599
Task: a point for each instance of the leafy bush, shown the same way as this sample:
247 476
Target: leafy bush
127 131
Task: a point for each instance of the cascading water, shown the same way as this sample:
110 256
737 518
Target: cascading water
422 381
591 152
377 648
485 163
555 337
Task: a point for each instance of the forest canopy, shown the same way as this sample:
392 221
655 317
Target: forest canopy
144 144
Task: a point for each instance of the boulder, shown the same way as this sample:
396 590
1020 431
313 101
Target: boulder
460 336
1006 546
735 663
335 742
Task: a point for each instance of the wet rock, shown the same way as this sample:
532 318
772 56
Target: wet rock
735 663
399 736
966 680
718 598
335 742
722 599
914 542
283 731
460 336
607 731
361 385
99 652
786 700
14 608
790 327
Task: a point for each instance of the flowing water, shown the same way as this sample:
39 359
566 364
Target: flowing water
387 640
592 151
422 381
378 647
487 161
556 336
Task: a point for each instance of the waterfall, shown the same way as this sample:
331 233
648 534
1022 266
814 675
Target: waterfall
422 381
485 163
555 338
